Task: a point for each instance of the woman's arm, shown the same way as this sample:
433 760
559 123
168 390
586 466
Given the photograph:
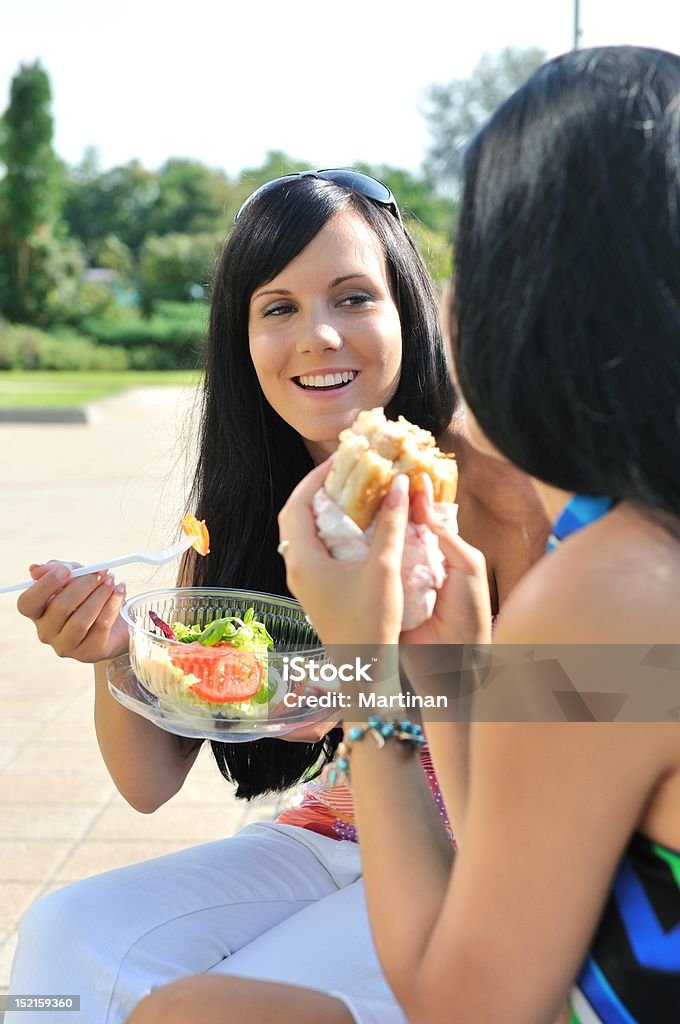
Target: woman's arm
80 618
148 765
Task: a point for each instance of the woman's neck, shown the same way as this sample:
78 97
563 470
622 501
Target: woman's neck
552 498
320 450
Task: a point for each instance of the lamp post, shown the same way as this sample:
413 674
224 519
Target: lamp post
577 24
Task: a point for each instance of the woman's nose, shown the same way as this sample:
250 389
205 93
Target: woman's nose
318 335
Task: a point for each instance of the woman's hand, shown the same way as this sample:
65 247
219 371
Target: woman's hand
462 613
79 618
347 602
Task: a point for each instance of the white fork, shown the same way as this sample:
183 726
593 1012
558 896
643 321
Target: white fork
154 557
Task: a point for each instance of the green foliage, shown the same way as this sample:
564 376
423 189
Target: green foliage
57 267
31 183
435 249
132 204
176 267
113 254
457 109
191 199
173 338
28 348
116 202
31 192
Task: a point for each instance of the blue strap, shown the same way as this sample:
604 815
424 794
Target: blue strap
580 511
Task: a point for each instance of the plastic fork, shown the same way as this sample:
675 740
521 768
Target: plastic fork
153 557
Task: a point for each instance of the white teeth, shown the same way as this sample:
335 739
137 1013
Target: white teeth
329 380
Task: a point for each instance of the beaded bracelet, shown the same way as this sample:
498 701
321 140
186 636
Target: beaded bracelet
400 729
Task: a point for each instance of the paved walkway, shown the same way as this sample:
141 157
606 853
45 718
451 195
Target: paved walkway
85 492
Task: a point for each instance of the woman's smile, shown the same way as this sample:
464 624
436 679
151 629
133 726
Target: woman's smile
325 381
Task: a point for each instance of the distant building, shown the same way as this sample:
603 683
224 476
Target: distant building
127 297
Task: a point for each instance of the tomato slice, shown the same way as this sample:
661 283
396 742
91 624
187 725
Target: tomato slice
225 674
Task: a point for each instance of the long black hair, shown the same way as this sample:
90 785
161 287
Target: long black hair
566 318
249 458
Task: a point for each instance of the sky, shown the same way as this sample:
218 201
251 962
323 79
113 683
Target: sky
225 81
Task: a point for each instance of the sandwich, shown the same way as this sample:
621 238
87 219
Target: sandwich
371 453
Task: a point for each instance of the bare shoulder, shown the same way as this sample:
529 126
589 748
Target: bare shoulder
617 581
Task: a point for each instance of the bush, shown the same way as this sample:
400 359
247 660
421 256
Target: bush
151 357
173 338
27 348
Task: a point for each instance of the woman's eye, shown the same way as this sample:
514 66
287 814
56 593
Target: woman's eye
279 309
356 299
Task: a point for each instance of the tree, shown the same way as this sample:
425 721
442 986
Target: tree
31 188
176 267
192 199
458 109
116 202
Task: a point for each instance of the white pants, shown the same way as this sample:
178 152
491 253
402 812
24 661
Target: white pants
274 902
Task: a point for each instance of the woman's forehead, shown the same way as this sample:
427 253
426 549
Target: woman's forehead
345 244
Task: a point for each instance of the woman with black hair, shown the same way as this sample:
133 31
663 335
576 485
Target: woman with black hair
321 307
566 345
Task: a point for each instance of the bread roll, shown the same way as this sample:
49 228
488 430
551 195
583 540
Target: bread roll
373 451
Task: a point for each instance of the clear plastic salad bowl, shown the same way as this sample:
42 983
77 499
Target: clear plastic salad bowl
219 692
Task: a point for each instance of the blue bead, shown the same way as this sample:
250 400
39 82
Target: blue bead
374 721
355 733
387 730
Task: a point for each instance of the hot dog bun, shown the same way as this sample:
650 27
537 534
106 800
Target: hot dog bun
373 451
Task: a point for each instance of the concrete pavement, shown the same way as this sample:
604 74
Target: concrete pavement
86 492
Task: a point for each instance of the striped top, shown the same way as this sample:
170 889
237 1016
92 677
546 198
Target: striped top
330 810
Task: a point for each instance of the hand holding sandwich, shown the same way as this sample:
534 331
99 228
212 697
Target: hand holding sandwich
362 602
347 602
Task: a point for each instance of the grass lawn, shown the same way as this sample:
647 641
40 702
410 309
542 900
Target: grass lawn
19 388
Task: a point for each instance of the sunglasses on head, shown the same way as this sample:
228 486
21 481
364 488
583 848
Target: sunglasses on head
355 181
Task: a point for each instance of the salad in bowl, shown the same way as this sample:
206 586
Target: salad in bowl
223 665
212 662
